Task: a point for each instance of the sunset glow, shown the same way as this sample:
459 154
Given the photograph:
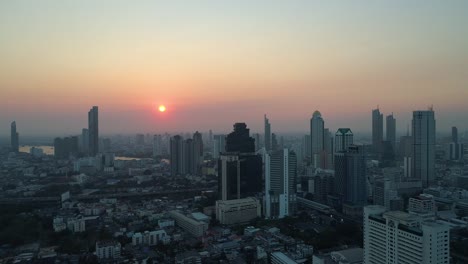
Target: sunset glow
162 108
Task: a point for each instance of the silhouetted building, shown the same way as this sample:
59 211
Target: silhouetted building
14 138
350 176
307 146
85 141
157 145
65 147
316 137
324 184
239 175
239 140
424 129
391 130
280 184
267 134
274 142
93 129
197 153
140 139
239 168
455 134
377 129
177 156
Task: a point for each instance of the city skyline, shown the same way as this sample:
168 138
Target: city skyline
245 58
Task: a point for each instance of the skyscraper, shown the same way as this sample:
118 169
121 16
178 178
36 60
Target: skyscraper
93 129
157 145
274 142
239 168
343 139
14 138
316 137
350 176
267 133
239 140
219 145
454 134
85 141
197 153
424 129
177 155
280 184
391 130
377 129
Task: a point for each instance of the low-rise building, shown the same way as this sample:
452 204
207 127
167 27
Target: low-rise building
190 225
108 250
237 211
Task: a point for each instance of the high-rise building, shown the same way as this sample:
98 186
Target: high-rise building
257 141
454 134
197 153
219 145
317 127
93 130
377 129
350 176
424 129
274 142
398 237
65 147
85 141
239 140
239 168
14 138
343 139
306 145
267 137
455 151
327 155
157 145
177 155
323 184
239 175
280 184
391 130
140 139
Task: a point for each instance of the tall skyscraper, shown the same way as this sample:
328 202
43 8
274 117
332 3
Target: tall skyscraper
267 133
65 147
399 237
177 155
280 184
219 145
93 129
424 129
454 134
316 137
239 140
391 130
344 138
274 142
377 129
239 168
14 137
197 153
327 153
257 141
157 145
350 176
85 141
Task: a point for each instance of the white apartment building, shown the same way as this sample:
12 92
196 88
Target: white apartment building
108 250
150 238
192 226
237 211
397 237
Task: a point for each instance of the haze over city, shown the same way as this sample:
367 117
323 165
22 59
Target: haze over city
213 63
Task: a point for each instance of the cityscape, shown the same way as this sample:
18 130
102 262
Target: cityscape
234 172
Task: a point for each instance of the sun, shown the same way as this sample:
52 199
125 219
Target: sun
162 108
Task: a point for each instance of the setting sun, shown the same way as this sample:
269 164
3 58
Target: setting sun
162 108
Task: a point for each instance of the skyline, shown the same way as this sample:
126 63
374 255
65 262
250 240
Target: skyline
212 69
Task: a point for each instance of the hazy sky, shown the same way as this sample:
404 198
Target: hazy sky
213 63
